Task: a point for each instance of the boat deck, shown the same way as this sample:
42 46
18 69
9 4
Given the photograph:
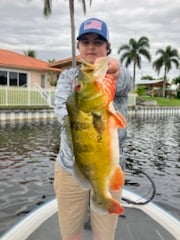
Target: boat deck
134 225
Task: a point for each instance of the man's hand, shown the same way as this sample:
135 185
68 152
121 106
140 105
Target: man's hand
113 68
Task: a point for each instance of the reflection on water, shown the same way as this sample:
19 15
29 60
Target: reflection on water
153 146
27 153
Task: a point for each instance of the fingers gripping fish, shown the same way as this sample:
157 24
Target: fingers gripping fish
93 126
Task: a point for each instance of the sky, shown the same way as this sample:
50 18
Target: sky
23 27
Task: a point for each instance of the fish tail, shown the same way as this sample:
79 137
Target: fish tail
107 204
117 180
115 207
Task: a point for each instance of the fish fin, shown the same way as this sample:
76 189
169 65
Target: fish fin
117 119
109 87
98 122
100 68
115 207
117 180
79 177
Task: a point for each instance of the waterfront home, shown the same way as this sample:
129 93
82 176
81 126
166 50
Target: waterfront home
19 70
27 81
153 87
64 63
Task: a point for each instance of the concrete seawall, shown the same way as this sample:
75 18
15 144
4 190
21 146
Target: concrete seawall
26 114
152 112
38 114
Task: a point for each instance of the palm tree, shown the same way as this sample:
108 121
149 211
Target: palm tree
51 60
30 53
47 11
167 57
177 81
47 7
132 53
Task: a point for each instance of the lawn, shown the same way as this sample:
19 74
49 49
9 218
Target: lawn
167 102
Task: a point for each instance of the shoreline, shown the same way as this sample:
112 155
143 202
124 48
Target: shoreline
24 114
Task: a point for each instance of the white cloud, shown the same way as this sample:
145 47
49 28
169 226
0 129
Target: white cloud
23 25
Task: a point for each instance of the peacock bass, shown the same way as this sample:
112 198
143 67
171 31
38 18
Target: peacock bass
93 126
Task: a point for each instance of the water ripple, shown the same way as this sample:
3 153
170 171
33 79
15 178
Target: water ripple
28 151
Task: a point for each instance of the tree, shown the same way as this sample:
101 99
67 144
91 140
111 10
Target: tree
168 56
52 76
47 11
177 82
51 60
30 53
147 77
132 53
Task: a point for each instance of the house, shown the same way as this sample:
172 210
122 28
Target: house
26 73
19 70
64 63
153 87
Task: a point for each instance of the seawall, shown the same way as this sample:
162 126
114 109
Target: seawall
153 112
39 114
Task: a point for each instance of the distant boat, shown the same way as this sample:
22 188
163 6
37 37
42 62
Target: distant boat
140 222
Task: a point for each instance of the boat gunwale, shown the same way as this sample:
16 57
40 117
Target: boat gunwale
26 226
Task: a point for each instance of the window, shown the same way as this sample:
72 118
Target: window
43 81
18 79
3 78
23 79
13 79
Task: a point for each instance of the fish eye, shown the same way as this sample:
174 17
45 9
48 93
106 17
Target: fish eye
78 87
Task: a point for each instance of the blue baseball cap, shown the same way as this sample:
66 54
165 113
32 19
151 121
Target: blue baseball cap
94 25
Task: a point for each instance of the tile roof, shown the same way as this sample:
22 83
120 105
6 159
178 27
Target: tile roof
64 63
17 60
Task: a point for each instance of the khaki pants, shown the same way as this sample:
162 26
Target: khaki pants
73 204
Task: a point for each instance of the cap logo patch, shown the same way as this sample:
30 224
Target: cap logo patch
93 24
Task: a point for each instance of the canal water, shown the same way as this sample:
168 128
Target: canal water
28 151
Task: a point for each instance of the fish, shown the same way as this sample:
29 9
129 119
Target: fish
94 127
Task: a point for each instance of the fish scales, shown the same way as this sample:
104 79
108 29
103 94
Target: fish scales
94 123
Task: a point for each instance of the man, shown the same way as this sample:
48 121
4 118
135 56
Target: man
73 201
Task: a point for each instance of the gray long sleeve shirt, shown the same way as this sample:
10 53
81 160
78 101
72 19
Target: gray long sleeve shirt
64 88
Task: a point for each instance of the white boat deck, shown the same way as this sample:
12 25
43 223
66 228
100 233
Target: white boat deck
143 222
134 225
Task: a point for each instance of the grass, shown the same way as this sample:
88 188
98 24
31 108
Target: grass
166 102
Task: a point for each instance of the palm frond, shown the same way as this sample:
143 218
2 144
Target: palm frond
145 53
123 47
84 6
157 65
138 61
47 7
125 56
